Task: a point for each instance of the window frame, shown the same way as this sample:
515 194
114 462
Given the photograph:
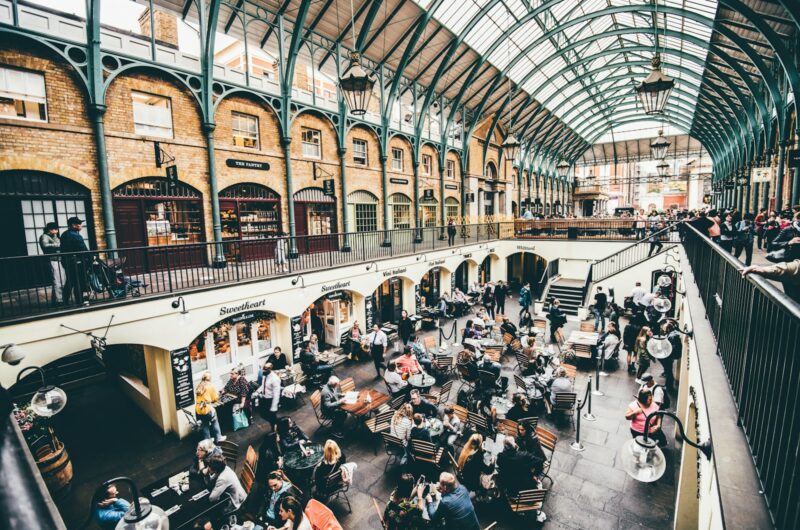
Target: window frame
150 125
427 169
239 115
365 217
451 169
356 154
42 105
397 160
309 144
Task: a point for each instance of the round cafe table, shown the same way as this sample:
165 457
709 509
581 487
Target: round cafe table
436 427
423 382
297 461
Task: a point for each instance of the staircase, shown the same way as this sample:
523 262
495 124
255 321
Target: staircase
73 371
632 255
568 293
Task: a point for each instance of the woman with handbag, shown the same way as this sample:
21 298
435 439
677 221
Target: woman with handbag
206 394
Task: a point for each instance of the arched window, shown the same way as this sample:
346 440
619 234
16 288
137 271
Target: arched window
430 210
400 211
362 210
491 171
451 208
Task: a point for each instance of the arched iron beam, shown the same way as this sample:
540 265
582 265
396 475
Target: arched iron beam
349 27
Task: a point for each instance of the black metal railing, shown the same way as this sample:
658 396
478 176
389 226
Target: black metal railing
601 229
634 254
550 272
757 328
27 282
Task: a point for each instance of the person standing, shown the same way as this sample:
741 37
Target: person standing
787 272
74 264
655 242
743 239
726 233
524 298
599 309
205 395
270 392
238 386
760 221
405 327
641 224
378 341
640 349
488 299
771 230
637 294
50 244
500 293
557 319
451 232
280 254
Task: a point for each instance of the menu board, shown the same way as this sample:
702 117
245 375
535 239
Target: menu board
297 336
369 310
417 300
452 283
182 378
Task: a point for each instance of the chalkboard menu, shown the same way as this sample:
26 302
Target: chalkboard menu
417 299
182 378
369 310
297 336
452 283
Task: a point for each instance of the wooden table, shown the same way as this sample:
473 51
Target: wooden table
360 407
585 338
184 507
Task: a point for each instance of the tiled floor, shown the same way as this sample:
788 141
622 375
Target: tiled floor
108 436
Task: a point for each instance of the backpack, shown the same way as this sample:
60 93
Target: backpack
667 401
742 233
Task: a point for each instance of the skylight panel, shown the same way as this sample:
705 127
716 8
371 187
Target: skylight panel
457 14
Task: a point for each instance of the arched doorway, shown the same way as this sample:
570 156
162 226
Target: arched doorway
430 211
430 288
331 318
524 267
315 218
461 277
152 212
485 270
362 211
451 209
250 213
28 201
387 303
399 211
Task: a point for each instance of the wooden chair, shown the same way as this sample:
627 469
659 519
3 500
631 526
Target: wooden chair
507 427
508 338
584 351
379 423
230 451
461 413
464 375
426 452
442 395
251 457
443 365
587 325
247 477
548 442
520 384
398 401
478 423
488 381
335 487
522 361
429 343
530 421
571 370
516 345
347 385
316 404
380 514
540 323
493 353
527 501
565 403
394 447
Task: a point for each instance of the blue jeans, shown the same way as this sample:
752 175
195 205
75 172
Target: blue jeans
210 425
599 320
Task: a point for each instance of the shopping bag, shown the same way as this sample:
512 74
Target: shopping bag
240 420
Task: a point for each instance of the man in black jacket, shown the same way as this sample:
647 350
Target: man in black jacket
514 468
500 293
74 264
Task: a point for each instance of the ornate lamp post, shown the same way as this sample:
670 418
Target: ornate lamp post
356 86
655 89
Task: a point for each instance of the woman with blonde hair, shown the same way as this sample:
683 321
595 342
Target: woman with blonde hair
402 422
332 459
640 349
204 396
472 463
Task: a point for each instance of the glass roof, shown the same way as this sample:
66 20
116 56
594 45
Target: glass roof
558 51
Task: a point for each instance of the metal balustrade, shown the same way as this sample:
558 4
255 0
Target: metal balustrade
757 328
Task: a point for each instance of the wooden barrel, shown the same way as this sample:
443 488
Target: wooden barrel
55 467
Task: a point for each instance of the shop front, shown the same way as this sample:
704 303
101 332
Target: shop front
524 267
28 201
250 213
485 270
430 287
244 339
388 301
330 318
461 277
315 218
152 212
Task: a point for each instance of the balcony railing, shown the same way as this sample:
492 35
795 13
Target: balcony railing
757 328
613 229
26 282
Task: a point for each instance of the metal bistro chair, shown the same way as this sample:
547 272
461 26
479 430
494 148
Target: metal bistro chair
522 361
442 396
466 379
316 404
488 381
565 404
528 501
493 353
426 453
507 427
571 370
247 478
335 487
395 449
398 401
347 385
380 423
548 442
587 325
478 423
230 451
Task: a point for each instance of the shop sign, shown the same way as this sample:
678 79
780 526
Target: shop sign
335 295
707 199
450 187
394 272
182 378
398 181
228 310
435 263
334 287
793 157
369 310
263 315
427 194
247 164
523 247
297 336
172 174
465 256
328 188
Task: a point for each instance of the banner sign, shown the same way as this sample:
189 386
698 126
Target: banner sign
182 378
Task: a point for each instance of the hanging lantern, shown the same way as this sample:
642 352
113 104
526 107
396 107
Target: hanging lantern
511 147
659 146
663 169
562 168
356 86
655 89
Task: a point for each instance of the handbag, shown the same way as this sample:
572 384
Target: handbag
487 481
240 420
776 256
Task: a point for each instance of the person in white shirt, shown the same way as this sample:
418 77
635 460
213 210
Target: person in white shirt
401 423
559 384
394 381
637 294
270 395
649 384
378 342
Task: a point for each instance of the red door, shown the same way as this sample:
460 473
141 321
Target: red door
129 222
301 227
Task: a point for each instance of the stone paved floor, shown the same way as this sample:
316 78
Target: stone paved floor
108 436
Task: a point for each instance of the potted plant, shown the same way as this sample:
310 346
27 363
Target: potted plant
48 451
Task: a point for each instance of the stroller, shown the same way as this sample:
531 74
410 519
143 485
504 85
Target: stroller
107 277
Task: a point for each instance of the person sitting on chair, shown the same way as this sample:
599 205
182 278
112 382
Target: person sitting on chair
109 508
311 366
278 488
199 468
422 406
290 436
407 364
420 430
519 409
560 383
508 327
332 400
277 359
514 468
225 483
394 382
